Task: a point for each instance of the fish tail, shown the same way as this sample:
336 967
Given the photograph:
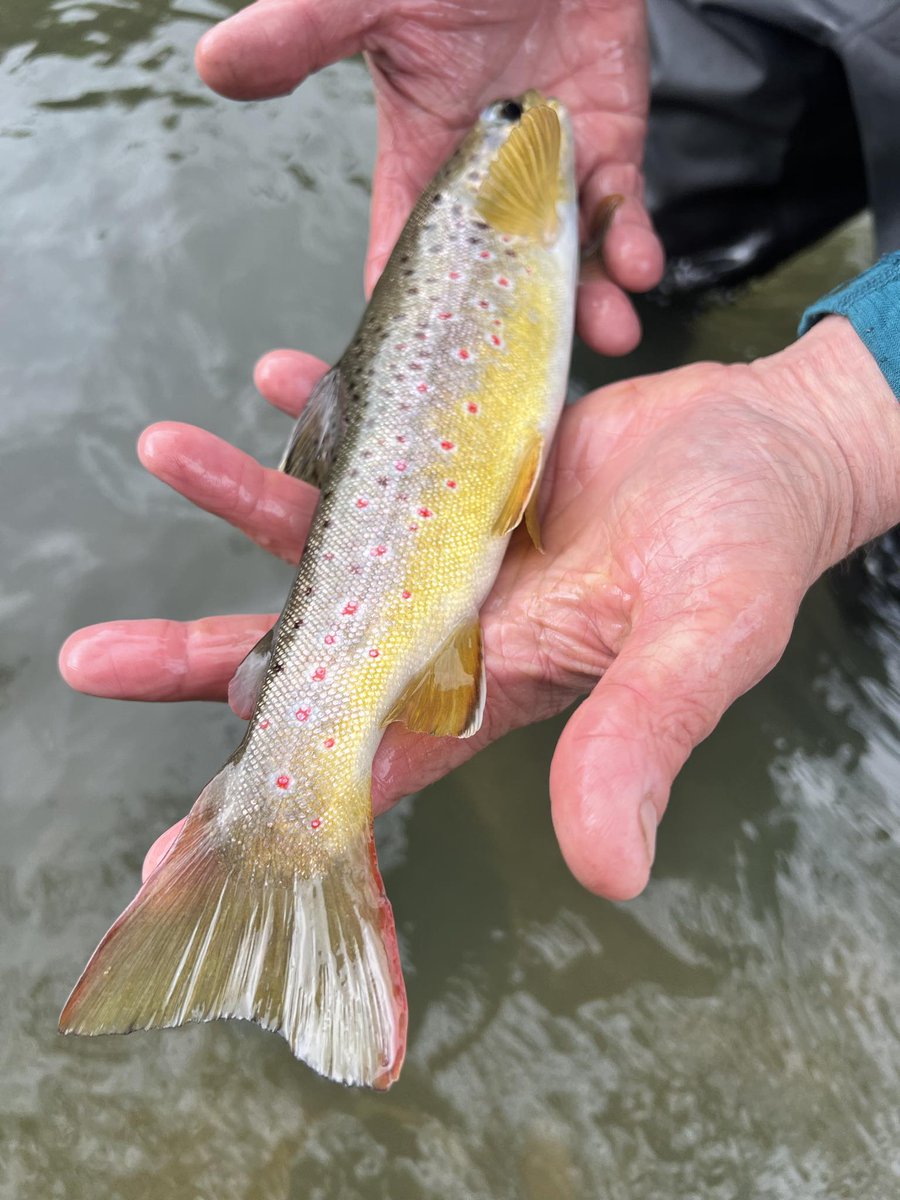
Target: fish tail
314 959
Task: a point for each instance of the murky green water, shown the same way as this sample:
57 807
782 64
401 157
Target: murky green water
732 1034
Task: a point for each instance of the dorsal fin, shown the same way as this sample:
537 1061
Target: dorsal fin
521 189
319 428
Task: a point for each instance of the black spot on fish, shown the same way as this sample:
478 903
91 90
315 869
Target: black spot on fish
436 198
480 224
413 291
307 591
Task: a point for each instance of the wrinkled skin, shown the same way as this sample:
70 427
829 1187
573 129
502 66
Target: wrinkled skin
685 515
435 64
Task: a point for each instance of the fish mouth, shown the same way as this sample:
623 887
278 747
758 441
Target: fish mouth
535 99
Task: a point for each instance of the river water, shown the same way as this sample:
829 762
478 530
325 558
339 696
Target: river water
732 1034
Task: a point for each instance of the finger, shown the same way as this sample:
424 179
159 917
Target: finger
287 377
268 48
632 254
160 849
160 660
621 750
606 317
271 508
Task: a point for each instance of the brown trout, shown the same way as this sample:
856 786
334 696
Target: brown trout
427 440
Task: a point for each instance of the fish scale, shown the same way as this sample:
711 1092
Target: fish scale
427 438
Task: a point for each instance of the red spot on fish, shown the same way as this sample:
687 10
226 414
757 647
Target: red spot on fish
283 781
374 652
425 512
472 408
315 823
329 639
496 340
422 387
264 724
318 674
445 316
502 281
485 254
401 465
328 743
445 445
405 595
328 557
302 714
454 274
497 322
463 353
484 304
451 483
378 551
400 438
350 610
362 503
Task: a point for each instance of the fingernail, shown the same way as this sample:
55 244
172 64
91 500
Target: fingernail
649 823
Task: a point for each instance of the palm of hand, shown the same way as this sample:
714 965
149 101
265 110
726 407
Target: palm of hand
676 559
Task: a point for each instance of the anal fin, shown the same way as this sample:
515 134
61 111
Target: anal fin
447 698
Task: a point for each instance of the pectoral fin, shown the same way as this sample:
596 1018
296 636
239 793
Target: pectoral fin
318 431
447 697
521 189
522 499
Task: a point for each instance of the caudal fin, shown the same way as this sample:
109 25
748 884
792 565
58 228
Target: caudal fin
315 959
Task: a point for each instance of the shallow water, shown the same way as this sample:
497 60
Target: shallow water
733 1033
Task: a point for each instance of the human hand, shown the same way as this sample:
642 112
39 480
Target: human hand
434 66
685 515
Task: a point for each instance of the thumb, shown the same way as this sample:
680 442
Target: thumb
271 46
620 752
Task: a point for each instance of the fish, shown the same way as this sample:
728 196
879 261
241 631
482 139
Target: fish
427 441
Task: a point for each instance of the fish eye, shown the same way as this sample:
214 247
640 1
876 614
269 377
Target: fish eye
509 110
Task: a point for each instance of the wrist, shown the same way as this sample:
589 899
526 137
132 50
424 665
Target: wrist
829 386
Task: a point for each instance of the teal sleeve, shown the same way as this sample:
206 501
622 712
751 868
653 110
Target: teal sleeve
871 303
